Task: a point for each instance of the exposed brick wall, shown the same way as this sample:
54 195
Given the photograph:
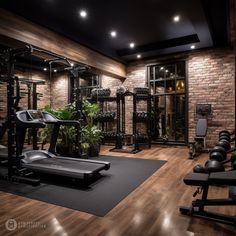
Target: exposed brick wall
44 89
111 83
59 90
33 75
211 80
135 78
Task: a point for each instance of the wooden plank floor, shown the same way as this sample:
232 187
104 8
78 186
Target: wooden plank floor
152 209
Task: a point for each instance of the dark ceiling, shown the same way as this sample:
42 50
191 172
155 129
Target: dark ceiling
148 23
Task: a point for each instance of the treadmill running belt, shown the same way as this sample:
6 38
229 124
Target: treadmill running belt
63 167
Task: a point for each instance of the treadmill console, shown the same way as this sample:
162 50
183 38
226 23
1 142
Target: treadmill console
35 115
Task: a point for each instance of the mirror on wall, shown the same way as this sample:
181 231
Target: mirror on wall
167 83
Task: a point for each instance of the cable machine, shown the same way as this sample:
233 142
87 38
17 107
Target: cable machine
33 96
14 172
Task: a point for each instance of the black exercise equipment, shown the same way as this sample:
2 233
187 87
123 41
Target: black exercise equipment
100 92
226 132
199 144
199 169
142 94
210 166
15 170
106 118
205 180
225 144
130 143
203 111
218 153
32 99
33 96
120 144
214 166
40 161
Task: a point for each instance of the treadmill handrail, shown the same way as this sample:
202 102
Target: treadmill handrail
29 123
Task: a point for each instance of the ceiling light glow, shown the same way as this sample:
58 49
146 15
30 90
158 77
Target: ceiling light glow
55 70
132 45
83 13
192 46
113 33
176 18
139 56
45 69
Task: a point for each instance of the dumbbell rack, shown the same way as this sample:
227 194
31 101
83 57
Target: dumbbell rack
121 136
142 117
105 117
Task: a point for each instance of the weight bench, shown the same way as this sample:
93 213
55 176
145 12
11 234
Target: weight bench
205 181
199 144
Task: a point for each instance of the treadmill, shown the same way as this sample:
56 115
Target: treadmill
41 161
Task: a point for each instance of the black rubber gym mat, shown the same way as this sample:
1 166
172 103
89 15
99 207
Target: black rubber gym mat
124 176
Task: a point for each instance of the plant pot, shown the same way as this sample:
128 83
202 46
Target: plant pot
64 150
93 151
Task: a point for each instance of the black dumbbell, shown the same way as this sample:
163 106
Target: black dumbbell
224 132
218 153
225 137
225 144
214 166
199 169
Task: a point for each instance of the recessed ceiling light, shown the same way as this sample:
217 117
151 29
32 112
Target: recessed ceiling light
45 69
132 45
139 56
55 70
176 18
113 33
192 46
83 13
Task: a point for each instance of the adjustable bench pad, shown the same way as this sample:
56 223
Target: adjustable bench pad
196 179
224 178
200 179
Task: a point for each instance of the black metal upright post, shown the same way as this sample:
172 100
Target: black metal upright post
78 106
10 115
34 106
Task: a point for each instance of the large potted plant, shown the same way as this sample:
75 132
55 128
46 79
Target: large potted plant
66 138
91 135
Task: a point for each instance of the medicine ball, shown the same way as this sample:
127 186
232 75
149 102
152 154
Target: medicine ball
214 166
199 169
